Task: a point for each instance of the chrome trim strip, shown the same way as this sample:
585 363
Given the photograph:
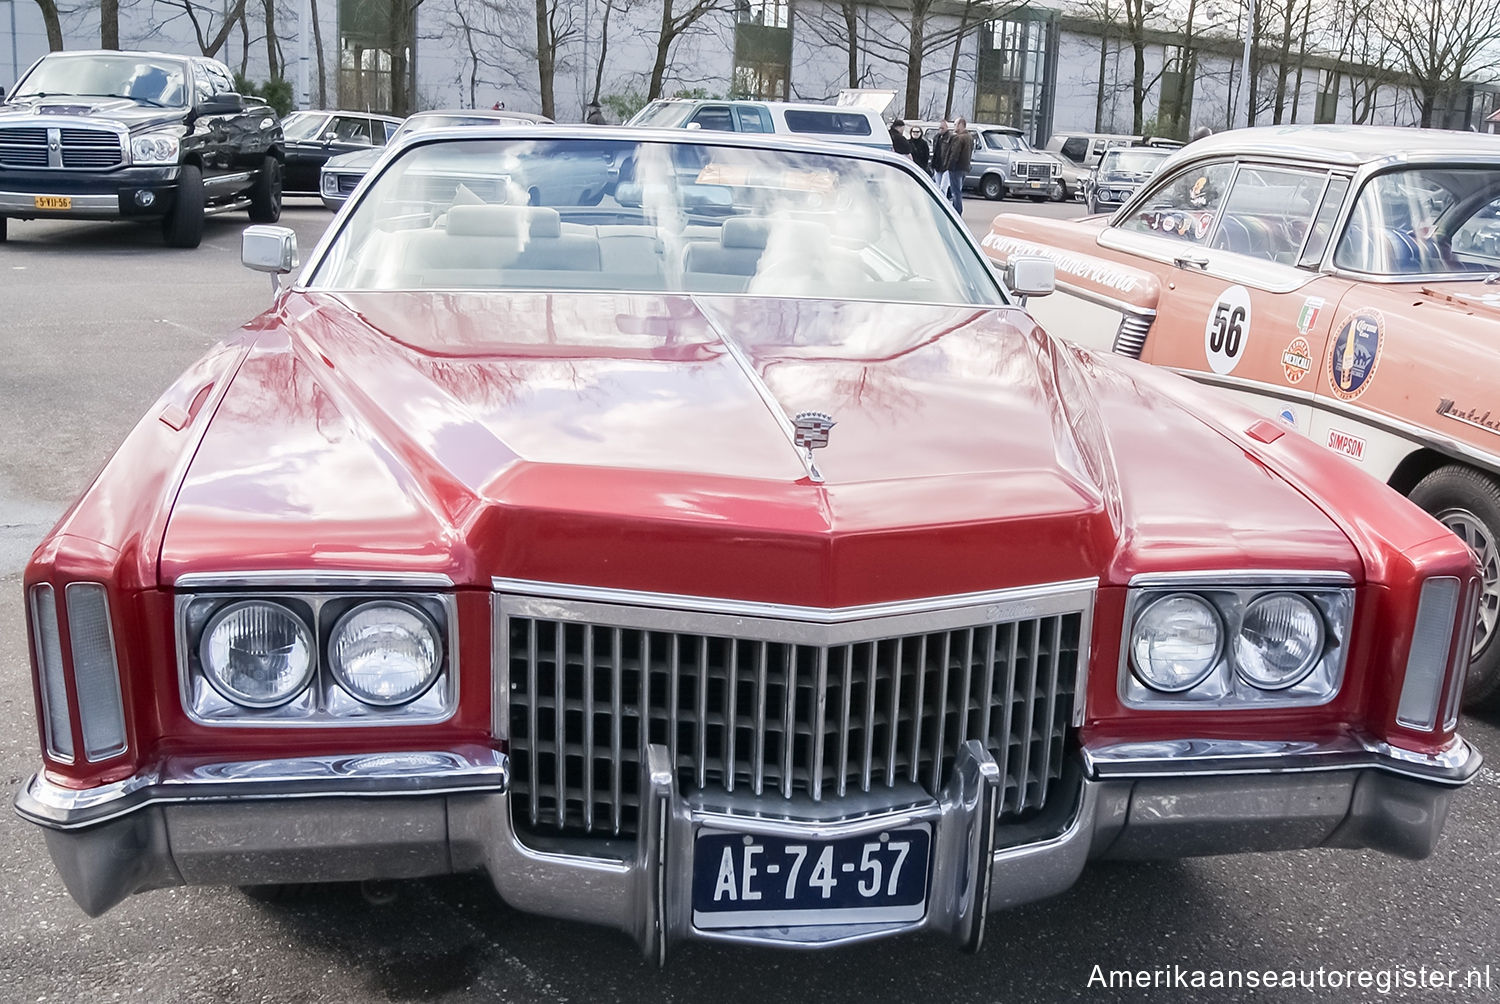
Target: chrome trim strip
1187 757
25 202
1244 577
227 179
1421 437
747 368
428 772
312 579
1017 597
1100 300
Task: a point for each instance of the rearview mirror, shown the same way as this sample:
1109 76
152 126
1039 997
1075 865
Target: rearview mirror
1029 276
269 249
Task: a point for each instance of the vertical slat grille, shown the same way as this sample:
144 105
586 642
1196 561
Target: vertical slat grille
778 718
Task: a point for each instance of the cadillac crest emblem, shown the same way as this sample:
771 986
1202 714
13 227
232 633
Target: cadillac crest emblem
812 429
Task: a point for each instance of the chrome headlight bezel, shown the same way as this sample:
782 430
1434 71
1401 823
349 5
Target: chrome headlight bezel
155 148
1224 686
323 701
328 183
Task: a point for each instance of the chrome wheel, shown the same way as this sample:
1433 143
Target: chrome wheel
1473 531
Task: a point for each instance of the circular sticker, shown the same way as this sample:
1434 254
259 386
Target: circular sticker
1296 360
1355 354
1228 329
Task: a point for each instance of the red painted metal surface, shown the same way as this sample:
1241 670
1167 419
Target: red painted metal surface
613 440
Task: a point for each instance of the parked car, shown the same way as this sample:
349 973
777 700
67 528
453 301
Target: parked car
1070 179
852 123
1004 163
136 136
1119 174
341 175
314 136
1335 278
735 561
1085 148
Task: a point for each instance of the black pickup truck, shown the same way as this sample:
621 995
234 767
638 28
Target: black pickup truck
136 135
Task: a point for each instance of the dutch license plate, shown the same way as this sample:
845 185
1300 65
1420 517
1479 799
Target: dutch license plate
1036 184
743 880
54 202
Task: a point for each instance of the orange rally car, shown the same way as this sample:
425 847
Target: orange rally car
1342 279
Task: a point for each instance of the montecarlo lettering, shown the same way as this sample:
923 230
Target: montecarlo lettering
1468 416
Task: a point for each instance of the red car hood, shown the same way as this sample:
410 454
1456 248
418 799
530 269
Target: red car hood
634 441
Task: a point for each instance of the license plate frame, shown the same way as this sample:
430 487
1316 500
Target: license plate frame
53 202
788 887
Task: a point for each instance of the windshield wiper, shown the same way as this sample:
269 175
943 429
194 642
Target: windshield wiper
128 97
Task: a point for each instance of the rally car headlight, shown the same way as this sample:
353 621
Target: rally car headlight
154 148
257 654
1279 640
1175 643
385 653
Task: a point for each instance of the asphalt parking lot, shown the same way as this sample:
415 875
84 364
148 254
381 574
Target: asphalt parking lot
96 320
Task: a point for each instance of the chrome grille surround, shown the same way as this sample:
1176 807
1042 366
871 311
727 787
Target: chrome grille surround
59 142
1012 661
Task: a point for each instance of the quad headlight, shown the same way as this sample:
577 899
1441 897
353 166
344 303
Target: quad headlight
317 658
384 653
1193 642
256 653
1175 643
1279 640
330 183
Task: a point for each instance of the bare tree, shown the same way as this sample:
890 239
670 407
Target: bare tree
1441 43
678 17
210 39
273 65
488 29
836 23
317 32
53 24
109 24
1366 49
554 29
964 18
609 8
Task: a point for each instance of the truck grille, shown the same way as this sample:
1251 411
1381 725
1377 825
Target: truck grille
23 147
1038 172
91 148
748 711
95 149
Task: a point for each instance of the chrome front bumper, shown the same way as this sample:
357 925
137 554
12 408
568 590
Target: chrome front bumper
406 815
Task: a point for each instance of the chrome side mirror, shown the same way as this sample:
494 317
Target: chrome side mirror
1030 276
269 249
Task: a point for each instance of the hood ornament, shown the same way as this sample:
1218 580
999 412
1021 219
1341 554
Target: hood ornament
810 432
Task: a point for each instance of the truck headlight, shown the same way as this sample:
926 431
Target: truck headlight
1279 640
385 653
1175 643
258 654
154 148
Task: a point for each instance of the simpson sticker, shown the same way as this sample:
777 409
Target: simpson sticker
1227 330
1309 315
1355 354
1350 446
1296 360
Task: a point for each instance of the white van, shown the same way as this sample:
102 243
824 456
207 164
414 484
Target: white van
846 124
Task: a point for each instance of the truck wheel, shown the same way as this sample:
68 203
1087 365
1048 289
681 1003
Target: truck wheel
265 194
992 188
1468 503
183 226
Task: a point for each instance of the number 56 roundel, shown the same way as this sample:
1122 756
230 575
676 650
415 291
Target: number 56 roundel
1227 329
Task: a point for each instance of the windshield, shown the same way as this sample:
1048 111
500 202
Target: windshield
148 81
1132 161
1425 221
422 123
299 126
671 217
997 140
661 114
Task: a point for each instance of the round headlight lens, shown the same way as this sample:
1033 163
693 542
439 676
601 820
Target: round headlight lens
1279 641
1175 643
257 654
385 653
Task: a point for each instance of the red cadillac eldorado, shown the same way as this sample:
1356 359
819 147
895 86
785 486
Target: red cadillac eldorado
733 559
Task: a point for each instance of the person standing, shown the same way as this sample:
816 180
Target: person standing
898 138
939 164
960 156
595 114
921 155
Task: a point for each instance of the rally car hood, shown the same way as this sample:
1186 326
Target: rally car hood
618 439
